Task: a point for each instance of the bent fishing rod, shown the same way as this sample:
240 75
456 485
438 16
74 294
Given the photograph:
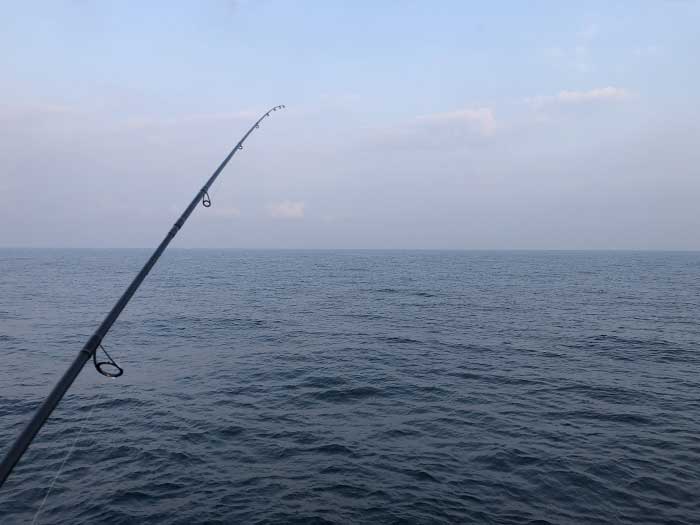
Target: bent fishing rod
110 368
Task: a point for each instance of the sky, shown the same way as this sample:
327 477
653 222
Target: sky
436 125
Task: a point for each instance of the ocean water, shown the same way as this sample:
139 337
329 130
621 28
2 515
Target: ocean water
357 387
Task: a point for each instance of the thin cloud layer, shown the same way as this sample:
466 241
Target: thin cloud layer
286 210
225 212
448 130
601 94
564 98
392 141
479 120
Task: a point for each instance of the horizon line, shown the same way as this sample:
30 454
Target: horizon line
230 248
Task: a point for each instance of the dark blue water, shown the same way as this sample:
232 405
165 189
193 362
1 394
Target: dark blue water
363 387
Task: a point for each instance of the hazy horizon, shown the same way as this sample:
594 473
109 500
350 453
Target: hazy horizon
348 249
409 126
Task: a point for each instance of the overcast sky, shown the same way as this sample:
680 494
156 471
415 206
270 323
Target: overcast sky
409 124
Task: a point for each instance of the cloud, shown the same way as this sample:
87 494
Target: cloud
480 120
288 210
575 55
576 58
451 130
226 212
202 118
605 94
38 110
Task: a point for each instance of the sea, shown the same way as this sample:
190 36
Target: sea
427 387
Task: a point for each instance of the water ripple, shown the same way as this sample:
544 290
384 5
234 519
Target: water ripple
357 387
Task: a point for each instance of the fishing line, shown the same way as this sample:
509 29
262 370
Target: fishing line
65 459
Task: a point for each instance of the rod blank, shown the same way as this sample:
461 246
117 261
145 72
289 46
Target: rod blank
46 408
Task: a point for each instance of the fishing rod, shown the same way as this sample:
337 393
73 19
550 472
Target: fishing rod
110 368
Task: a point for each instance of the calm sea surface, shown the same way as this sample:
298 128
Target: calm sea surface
357 387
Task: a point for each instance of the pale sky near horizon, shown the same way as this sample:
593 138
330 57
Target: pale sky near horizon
556 125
